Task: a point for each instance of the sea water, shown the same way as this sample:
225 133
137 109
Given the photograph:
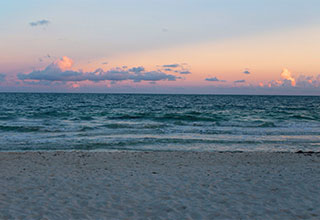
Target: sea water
158 122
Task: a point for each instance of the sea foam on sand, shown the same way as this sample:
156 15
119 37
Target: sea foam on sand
159 185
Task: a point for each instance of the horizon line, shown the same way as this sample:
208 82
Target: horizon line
139 93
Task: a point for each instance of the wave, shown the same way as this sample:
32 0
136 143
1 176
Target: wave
305 117
188 117
86 128
133 126
191 116
267 125
187 141
50 114
82 118
20 128
7 117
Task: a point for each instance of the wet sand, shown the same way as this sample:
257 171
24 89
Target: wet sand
159 185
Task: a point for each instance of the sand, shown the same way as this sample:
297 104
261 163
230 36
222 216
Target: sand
159 185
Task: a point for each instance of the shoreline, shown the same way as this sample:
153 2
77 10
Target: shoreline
159 185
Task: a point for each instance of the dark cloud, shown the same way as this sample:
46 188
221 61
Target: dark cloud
246 71
240 81
185 72
138 69
214 79
308 81
287 83
2 77
153 76
171 65
39 23
136 74
105 63
51 74
179 68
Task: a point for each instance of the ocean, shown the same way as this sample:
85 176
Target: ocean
158 122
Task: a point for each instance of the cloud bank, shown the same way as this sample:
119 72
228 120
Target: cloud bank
60 71
60 76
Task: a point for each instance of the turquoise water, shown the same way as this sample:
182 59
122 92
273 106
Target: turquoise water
158 122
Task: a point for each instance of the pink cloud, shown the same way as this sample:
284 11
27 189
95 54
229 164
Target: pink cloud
63 63
286 75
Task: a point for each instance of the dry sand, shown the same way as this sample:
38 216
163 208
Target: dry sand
159 185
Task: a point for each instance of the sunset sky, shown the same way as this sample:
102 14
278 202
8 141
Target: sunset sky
160 46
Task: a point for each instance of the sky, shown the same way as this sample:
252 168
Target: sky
160 46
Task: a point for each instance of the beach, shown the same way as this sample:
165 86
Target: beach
159 185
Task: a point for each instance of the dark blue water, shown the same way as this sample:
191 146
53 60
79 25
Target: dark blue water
158 122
